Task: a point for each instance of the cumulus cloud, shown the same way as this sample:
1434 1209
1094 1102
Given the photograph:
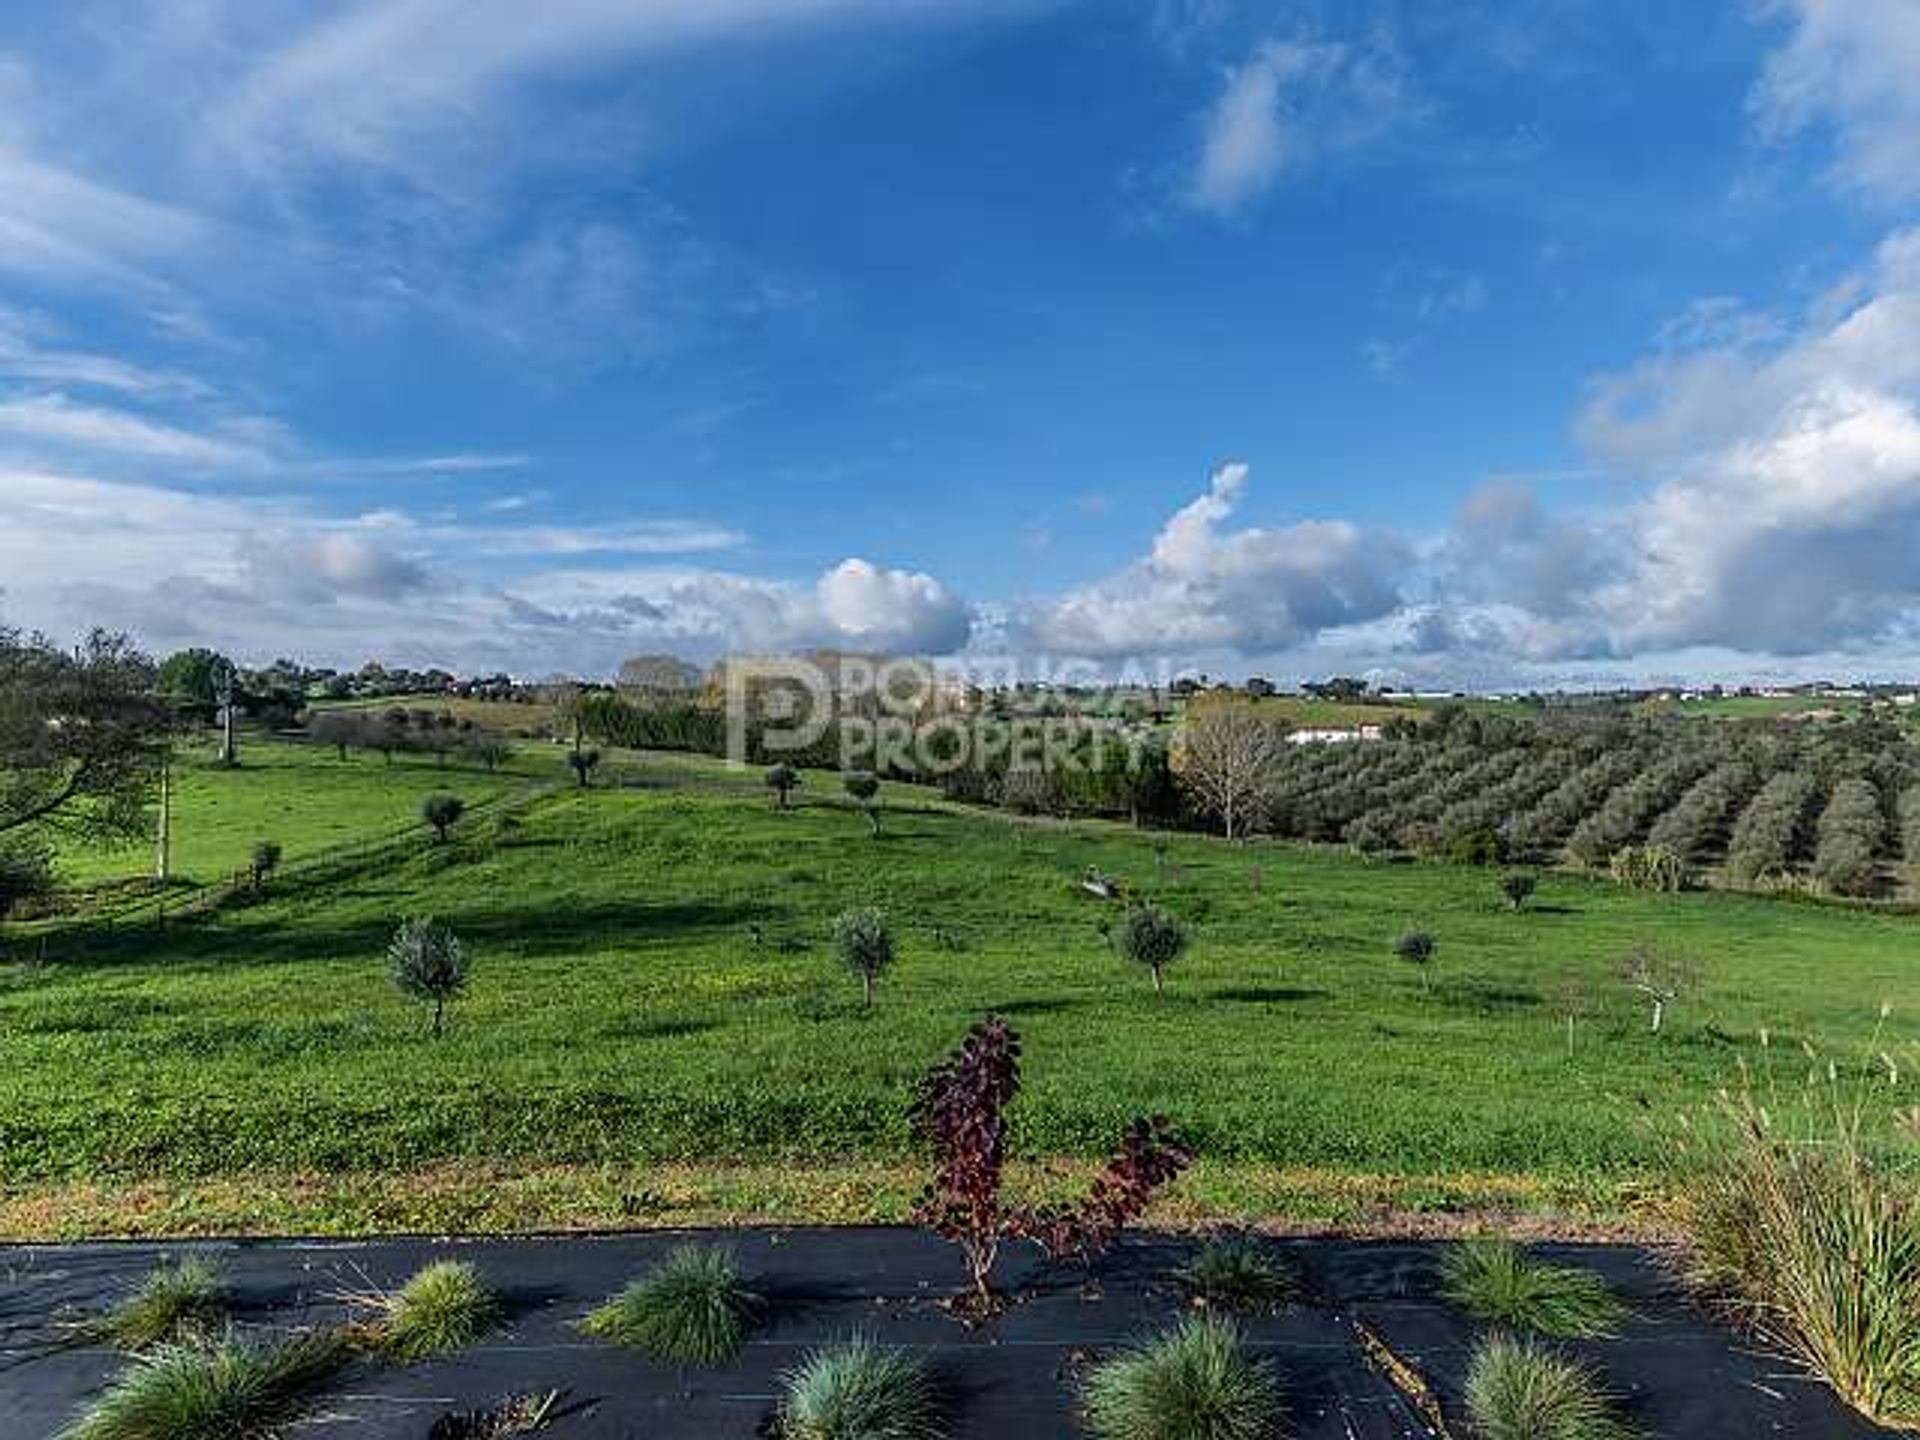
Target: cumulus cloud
1851 65
1286 104
1204 587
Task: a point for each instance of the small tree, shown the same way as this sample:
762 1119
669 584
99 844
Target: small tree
263 862
1418 948
442 812
429 964
583 763
782 781
1518 887
26 872
1660 976
961 1111
1151 937
866 945
863 787
492 751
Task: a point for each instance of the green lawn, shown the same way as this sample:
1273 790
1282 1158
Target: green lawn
654 987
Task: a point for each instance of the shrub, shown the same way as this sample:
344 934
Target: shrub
1805 1236
782 781
1237 1273
1193 1383
856 1390
692 1309
1476 845
1648 867
1518 888
1151 937
960 1111
442 812
174 1302
1520 1390
212 1391
264 860
866 945
863 788
1495 1280
444 1306
428 963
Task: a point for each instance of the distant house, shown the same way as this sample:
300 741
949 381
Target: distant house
1333 735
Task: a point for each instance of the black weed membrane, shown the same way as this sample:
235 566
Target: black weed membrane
1365 1348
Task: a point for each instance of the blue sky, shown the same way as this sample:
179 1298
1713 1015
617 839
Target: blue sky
1473 343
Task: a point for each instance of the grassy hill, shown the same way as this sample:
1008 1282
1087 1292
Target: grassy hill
658 1027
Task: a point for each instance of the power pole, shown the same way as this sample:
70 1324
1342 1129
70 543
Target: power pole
163 848
229 756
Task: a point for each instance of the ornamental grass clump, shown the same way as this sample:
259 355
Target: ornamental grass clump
691 1309
857 1390
174 1302
1195 1382
1495 1280
1809 1234
444 1306
1522 1390
1239 1274
233 1389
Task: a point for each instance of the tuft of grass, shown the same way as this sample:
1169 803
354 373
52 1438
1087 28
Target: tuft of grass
857 1390
1195 1382
691 1309
444 1306
1521 1390
175 1302
1804 1235
234 1389
1495 1280
1238 1274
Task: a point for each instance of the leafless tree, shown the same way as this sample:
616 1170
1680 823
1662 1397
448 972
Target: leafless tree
1659 975
1229 760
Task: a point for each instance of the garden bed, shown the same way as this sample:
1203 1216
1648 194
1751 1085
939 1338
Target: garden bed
1675 1373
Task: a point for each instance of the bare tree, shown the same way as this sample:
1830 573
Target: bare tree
1659 975
1229 758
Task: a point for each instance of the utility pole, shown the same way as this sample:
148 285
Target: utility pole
229 756
163 848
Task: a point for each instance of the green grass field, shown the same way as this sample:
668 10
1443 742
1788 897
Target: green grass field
656 1012
301 796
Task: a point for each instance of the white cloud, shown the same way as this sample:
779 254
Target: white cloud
55 422
1288 103
1206 588
1853 65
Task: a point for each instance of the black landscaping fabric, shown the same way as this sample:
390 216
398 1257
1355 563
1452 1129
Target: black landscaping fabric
1677 1374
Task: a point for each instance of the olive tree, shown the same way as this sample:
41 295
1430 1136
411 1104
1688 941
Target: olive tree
782 781
1660 977
264 860
866 946
1518 887
82 733
863 787
584 762
429 964
1418 948
1152 938
442 812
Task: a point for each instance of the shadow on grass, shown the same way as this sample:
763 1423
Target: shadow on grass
1479 996
1270 994
562 927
